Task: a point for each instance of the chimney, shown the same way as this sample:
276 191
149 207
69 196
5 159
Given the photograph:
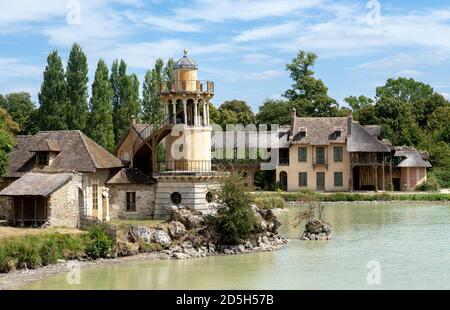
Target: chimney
294 118
349 122
132 120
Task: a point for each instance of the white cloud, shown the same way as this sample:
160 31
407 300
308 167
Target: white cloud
410 73
15 68
219 11
265 75
170 24
254 59
267 32
30 11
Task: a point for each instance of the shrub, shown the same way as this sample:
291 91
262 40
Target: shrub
100 243
149 247
50 251
235 218
270 202
73 246
430 185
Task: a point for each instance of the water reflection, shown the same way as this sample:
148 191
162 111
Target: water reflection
410 242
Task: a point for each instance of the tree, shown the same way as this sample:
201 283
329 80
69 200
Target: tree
274 111
214 114
169 70
363 109
100 118
235 218
308 94
77 89
22 110
359 103
52 113
236 112
153 109
8 128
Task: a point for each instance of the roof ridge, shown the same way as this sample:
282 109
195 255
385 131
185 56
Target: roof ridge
82 135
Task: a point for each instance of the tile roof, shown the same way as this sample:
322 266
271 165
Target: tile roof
320 130
130 176
77 153
37 184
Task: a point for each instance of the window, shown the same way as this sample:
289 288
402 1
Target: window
338 179
131 201
42 159
338 153
302 134
176 198
302 154
320 155
95 197
303 179
209 197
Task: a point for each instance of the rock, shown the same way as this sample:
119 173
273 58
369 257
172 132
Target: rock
179 255
176 229
195 221
126 249
139 234
161 237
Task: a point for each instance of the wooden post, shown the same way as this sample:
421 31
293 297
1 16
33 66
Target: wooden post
35 211
22 223
351 179
376 177
390 171
384 177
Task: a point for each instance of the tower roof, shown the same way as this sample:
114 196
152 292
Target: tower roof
186 62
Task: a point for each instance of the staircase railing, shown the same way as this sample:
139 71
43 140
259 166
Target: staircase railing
149 130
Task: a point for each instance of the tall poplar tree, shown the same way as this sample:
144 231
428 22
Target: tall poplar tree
101 113
153 110
77 89
53 96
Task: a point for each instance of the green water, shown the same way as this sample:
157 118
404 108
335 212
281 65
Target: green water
411 243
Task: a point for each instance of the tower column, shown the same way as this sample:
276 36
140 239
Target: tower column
207 113
166 111
185 111
174 107
195 113
204 113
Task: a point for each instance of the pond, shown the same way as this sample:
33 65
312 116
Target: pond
408 244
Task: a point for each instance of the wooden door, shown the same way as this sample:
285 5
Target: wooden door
320 181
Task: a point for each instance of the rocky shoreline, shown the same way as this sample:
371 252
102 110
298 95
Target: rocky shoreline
190 234
187 236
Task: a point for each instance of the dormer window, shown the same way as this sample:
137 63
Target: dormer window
45 151
302 132
42 158
337 132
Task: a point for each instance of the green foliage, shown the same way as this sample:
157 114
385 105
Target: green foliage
100 243
149 247
430 185
235 112
308 94
77 89
21 109
270 203
8 128
101 127
152 105
235 218
52 113
274 111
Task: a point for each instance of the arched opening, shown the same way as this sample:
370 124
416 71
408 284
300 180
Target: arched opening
180 111
176 198
190 112
201 112
283 180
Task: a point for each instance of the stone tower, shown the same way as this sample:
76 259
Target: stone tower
185 177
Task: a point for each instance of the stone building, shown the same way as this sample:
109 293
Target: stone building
57 177
339 154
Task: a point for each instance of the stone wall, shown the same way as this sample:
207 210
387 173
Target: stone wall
193 192
63 209
145 201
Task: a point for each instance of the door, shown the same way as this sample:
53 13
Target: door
283 180
320 181
95 200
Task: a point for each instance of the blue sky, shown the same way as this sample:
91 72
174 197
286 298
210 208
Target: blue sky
242 45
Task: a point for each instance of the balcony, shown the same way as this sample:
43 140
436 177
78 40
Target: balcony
187 86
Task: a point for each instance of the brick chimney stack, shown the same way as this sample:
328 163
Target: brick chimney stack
349 122
133 120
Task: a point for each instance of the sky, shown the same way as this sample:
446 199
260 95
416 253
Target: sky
241 45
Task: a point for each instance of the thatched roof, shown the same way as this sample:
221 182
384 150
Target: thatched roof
130 176
37 184
320 130
374 130
76 153
411 158
46 145
361 140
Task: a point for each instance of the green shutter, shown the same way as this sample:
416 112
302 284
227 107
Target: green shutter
302 154
338 179
338 153
303 179
320 155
